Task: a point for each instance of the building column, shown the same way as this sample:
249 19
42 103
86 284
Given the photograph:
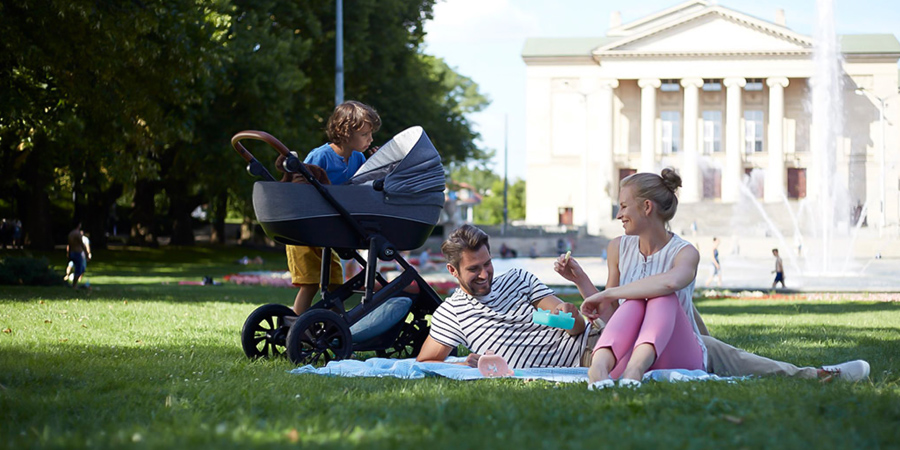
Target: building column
733 175
690 167
775 175
648 123
602 165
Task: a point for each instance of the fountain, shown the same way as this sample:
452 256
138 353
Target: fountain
821 225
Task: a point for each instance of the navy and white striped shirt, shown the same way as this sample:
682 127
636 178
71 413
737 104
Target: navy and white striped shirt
501 322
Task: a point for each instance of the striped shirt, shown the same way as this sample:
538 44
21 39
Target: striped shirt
633 266
501 322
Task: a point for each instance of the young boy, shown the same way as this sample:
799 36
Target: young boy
779 270
349 129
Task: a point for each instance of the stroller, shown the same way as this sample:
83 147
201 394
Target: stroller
391 204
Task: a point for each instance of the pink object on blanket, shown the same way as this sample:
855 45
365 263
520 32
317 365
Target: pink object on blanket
491 365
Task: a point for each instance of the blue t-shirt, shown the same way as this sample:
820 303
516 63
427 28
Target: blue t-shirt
338 171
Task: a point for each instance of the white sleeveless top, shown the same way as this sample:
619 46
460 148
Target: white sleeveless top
634 266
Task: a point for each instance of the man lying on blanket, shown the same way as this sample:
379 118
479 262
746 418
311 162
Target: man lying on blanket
495 314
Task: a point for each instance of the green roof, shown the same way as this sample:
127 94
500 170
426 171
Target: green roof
537 47
869 43
582 46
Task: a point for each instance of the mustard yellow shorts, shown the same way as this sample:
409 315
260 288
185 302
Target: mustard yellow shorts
305 264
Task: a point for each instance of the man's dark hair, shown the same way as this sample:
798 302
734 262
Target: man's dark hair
466 237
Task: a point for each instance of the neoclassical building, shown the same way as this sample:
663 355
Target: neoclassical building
717 94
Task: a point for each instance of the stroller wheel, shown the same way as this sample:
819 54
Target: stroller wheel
409 342
319 336
265 332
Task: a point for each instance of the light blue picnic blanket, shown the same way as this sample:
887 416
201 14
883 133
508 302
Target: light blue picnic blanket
410 369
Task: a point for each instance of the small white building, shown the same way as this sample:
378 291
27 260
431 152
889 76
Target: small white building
714 93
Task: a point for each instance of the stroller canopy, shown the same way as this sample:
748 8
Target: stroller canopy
410 167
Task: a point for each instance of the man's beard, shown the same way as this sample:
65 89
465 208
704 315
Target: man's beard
479 290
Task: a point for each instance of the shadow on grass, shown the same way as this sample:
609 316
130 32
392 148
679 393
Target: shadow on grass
172 293
205 394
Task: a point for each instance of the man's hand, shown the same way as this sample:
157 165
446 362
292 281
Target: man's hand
472 360
565 307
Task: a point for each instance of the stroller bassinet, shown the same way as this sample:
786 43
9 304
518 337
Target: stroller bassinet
398 193
391 204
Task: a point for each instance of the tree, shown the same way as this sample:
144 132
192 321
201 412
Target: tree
490 186
117 102
92 110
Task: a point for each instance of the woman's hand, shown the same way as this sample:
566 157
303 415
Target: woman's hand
566 266
593 305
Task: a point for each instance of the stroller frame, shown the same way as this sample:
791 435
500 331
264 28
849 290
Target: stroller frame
322 333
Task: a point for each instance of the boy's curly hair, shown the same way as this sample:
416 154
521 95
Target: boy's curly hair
349 117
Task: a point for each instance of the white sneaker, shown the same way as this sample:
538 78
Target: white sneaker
628 383
602 384
849 371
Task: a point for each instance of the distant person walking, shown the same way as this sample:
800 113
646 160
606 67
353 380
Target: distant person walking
779 270
717 268
78 248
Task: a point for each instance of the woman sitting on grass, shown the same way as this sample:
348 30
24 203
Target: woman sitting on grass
653 270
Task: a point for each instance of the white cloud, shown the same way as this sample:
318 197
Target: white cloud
474 21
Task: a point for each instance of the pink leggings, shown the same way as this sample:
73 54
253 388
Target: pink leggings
659 321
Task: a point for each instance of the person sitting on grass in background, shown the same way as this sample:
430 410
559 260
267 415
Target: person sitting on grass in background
483 314
425 264
349 129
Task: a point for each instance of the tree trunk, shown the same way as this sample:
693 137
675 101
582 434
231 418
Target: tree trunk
96 220
220 210
143 216
34 206
180 207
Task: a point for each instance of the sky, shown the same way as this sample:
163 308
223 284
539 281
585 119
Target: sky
483 40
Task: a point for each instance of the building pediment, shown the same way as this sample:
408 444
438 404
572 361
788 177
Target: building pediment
711 30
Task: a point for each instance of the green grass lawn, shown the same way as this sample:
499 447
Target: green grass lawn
139 363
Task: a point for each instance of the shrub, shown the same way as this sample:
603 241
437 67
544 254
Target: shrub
28 271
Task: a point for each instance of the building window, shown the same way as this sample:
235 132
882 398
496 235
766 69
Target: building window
712 132
565 216
671 131
754 84
712 84
670 86
755 179
712 183
801 135
796 179
753 131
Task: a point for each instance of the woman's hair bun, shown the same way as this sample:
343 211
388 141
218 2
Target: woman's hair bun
671 179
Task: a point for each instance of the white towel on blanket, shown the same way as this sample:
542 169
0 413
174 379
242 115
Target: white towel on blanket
410 369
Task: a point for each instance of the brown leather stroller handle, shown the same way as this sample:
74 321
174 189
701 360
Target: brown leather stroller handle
258 136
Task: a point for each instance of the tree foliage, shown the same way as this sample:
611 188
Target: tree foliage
490 186
133 104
